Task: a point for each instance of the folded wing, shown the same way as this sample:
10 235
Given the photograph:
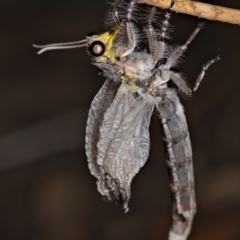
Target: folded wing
124 142
95 117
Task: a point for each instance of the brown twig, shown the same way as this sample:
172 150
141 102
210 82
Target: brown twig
199 9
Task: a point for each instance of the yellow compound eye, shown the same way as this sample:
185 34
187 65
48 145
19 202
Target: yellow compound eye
97 48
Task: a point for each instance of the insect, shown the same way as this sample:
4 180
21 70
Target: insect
137 64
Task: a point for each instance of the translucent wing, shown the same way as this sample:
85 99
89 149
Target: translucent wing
179 161
123 146
95 117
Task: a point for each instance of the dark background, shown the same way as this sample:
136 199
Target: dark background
46 190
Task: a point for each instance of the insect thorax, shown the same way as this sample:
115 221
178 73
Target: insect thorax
136 68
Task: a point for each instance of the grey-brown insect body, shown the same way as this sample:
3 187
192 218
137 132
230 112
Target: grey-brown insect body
137 82
179 162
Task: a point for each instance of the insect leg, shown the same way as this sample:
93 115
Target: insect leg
115 12
152 38
204 69
165 24
129 28
156 47
180 50
177 79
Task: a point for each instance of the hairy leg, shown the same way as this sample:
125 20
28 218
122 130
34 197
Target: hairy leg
115 12
156 47
202 73
180 50
129 28
177 79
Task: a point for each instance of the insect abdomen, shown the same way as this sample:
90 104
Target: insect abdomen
179 162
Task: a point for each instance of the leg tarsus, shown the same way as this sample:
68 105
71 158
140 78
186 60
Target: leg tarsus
152 13
164 27
204 69
195 32
115 12
130 9
179 51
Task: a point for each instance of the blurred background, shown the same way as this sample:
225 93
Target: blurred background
46 190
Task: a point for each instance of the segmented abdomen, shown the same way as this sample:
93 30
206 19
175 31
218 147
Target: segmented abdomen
179 163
